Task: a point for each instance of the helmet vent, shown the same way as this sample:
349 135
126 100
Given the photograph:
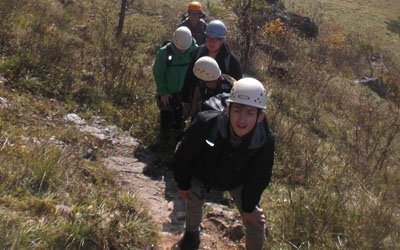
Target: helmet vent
244 97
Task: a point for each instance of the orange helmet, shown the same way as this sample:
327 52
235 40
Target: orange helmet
195 6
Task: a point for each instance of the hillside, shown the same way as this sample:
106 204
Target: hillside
102 181
375 21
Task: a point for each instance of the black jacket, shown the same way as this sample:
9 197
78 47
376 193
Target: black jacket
217 164
224 56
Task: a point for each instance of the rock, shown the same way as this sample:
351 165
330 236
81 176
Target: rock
303 25
66 2
277 4
219 211
64 210
3 103
236 232
374 84
75 119
95 135
275 53
89 154
56 142
219 223
277 72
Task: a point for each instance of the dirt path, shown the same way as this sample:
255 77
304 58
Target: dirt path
137 170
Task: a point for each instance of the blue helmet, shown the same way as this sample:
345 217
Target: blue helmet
216 29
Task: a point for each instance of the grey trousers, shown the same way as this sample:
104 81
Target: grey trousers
194 209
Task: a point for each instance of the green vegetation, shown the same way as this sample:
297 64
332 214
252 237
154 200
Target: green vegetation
373 21
335 183
53 199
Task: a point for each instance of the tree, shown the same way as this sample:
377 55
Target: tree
121 20
252 16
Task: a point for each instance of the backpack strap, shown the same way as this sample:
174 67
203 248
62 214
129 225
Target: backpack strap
170 55
201 50
203 17
198 53
229 79
184 16
227 61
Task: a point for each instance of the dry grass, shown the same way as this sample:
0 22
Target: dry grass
335 180
50 197
374 21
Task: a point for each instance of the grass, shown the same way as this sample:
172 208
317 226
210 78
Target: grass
374 21
335 182
53 199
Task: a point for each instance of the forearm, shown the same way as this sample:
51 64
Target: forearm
186 155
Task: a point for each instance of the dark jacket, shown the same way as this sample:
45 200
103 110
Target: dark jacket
224 56
206 153
198 32
202 94
224 85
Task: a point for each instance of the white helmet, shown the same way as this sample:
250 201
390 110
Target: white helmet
248 91
206 69
182 38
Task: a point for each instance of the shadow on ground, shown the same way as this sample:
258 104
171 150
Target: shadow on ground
394 26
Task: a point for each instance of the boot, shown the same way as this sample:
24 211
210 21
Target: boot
190 241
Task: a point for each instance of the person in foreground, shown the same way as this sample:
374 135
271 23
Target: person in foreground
227 150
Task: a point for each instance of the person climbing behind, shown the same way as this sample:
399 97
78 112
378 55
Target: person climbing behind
169 71
216 48
212 83
227 150
196 22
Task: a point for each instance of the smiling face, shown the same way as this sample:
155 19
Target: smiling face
243 118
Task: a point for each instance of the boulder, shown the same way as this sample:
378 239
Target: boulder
278 72
276 54
236 232
374 84
304 26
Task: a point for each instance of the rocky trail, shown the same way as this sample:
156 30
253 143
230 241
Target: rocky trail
142 172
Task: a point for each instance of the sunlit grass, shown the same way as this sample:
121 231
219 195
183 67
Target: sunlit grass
335 182
53 200
367 19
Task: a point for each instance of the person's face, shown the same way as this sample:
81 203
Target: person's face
194 16
243 118
213 44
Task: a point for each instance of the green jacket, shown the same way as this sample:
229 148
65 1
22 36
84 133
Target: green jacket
169 79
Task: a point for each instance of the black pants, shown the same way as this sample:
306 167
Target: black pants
171 115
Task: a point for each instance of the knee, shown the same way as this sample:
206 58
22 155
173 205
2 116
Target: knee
255 231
